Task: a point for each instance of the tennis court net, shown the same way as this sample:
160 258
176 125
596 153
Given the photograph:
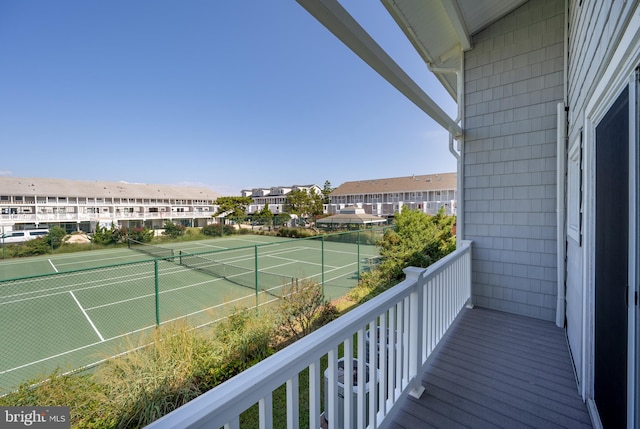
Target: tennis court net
150 249
270 283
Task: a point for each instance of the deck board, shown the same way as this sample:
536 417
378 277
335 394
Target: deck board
496 369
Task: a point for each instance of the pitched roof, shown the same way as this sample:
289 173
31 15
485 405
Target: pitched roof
429 182
31 187
347 218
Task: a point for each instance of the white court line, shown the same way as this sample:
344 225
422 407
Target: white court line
117 337
211 245
87 316
151 326
53 266
149 295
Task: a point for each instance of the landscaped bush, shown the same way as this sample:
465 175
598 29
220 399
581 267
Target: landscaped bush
143 235
300 308
417 239
296 232
106 236
173 230
38 246
218 230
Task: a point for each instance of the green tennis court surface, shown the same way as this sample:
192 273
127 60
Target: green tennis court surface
78 309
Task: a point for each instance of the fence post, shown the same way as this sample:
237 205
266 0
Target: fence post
256 276
157 286
358 245
322 265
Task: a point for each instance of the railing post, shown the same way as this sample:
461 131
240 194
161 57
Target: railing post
420 310
415 330
466 258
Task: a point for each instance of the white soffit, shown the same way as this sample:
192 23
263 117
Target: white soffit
478 14
440 29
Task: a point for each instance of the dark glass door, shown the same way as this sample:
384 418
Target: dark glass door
611 263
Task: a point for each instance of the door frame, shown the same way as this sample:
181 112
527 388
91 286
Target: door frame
620 73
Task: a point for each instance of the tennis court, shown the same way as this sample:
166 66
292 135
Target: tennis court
78 309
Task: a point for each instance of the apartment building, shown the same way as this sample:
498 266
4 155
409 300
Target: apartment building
384 197
28 203
275 197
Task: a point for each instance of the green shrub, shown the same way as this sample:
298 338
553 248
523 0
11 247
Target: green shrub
104 235
218 230
295 232
55 236
417 239
173 230
193 232
144 235
38 246
302 309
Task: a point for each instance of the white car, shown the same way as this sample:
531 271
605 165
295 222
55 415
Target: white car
11 237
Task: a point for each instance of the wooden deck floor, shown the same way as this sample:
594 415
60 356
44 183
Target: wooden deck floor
495 369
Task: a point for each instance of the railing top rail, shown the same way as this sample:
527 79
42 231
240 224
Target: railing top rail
222 402
241 391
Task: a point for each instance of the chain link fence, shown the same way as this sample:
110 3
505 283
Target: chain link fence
76 319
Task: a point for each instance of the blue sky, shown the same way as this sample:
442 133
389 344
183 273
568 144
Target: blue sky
223 94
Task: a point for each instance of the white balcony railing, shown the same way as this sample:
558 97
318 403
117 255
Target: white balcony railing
413 316
77 217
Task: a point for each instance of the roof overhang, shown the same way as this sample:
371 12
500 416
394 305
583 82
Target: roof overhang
337 20
440 31
354 219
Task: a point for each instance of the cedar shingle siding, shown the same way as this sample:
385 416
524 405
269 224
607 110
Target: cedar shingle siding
513 84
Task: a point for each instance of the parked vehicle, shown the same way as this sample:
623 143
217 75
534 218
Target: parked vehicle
11 237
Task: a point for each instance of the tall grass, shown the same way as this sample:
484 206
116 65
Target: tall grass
169 368
173 365
150 382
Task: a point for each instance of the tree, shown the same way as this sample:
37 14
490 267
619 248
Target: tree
281 218
264 216
326 191
315 204
304 204
55 236
416 240
233 207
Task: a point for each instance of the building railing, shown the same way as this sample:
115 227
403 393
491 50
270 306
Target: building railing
71 217
412 316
